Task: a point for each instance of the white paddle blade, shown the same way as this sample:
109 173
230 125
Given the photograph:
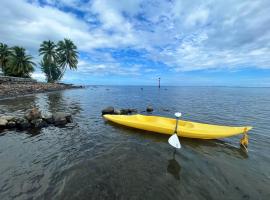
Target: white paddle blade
178 114
174 141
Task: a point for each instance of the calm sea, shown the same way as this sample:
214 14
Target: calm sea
100 160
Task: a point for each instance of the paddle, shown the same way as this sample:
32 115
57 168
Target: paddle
174 140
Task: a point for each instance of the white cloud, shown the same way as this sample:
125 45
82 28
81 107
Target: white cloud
181 34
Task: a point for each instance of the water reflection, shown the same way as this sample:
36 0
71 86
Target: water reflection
174 167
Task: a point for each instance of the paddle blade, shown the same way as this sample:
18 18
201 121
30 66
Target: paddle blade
174 141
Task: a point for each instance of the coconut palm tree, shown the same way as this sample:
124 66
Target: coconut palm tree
51 70
19 64
48 50
67 55
4 53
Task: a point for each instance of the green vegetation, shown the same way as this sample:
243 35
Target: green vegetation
15 62
57 58
4 54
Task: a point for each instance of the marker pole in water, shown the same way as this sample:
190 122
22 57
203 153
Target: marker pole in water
174 140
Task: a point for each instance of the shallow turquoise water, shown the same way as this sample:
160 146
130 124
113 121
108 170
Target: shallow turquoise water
100 160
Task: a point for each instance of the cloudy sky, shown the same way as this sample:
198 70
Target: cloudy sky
133 42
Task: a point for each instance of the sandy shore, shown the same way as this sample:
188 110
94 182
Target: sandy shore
13 90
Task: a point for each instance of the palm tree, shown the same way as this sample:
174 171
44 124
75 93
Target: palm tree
51 70
19 64
67 55
48 50
4 54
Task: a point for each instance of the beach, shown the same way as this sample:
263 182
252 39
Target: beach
19 89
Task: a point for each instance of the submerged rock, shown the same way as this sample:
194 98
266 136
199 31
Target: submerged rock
149 109
108 110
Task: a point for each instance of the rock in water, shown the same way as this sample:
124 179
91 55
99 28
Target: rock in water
3 123
128 111
124 111
22 123
38 123
11 124
149 109
32 114
108 110
61 118
48 117
8 118
117 112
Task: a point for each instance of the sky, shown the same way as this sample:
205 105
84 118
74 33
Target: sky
133 42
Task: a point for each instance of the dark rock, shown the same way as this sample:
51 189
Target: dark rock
32 114
38 123
108 110
149 109
117 112
125 111
22 123
48 117
69 118
132 110
61 118
11 124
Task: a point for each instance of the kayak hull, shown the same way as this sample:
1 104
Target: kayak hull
187 129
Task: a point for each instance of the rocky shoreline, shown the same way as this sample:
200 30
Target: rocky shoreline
34 119
19 89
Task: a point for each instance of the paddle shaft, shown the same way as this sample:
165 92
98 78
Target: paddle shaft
176 126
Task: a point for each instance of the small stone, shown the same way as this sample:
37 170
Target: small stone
48 117
117 112
8 117
149 109
38 123
124 111
11 124
32 114
3 123
61 118
22 123
108 110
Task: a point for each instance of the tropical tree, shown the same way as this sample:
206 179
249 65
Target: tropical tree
51 71
48 64
19 63
4 54
67 55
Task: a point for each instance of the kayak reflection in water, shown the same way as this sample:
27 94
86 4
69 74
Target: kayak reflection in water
174 167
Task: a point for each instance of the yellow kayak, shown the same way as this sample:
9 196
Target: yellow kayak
187 129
